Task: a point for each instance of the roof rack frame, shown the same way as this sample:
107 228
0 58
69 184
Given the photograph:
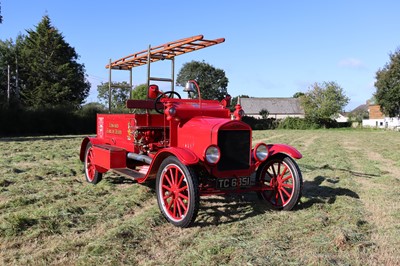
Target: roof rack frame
153 54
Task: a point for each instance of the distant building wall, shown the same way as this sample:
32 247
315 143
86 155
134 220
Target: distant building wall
387 122
341 119
278 108
375 112
276 116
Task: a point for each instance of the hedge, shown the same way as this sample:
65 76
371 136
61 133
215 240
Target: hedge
55 121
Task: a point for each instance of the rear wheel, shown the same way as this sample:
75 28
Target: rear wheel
91 174
282 182
177 192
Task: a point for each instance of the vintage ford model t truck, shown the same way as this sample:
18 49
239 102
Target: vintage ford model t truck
190 147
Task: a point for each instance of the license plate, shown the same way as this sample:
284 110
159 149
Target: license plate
238 182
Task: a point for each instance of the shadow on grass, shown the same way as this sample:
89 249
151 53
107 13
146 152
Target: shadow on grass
231 208
314 192
227 209
119 180
216 210
306 168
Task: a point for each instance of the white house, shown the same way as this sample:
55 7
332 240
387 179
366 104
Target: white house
386 122
378 120
340 118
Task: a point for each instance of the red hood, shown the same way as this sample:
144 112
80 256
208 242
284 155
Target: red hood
200 132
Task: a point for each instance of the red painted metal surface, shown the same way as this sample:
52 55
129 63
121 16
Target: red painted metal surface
274 149
185 131
109 157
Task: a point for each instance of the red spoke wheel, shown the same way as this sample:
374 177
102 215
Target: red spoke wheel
282 182
177 192
91 174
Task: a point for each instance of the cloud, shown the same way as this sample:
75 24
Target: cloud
351 63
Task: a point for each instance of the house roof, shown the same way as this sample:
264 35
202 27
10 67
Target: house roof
253 106
360 108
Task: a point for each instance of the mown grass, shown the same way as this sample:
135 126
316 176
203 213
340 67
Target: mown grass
348 214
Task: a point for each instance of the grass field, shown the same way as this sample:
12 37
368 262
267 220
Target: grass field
349 213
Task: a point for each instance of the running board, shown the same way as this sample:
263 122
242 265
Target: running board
128 173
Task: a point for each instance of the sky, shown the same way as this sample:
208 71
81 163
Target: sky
271 48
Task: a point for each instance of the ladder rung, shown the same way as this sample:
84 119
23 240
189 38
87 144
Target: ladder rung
160 79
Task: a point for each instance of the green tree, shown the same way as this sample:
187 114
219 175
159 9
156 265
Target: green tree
139 92
323 101
264 113
51 74
298 94
9 58
358 115
234 101
119 95
212 81
388 86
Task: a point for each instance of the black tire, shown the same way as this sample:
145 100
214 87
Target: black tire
177 191
91 174
282 178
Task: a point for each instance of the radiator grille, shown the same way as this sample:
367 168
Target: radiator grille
235 149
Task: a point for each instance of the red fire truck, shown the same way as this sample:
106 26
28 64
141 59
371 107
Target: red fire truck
191 147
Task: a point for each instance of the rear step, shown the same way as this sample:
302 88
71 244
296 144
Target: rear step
128 173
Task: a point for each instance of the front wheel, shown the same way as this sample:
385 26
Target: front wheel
177 192
281 180
91 174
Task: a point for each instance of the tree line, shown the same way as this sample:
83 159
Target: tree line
41 70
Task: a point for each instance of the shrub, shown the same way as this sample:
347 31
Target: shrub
297 123
302 123
260 124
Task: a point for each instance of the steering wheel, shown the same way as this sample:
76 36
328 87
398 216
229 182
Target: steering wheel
167 94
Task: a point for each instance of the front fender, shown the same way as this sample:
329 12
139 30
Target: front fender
187 157
274 149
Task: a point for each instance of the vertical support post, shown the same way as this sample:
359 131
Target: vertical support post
148 68
109 88
172 73
130 83
8 83
148 75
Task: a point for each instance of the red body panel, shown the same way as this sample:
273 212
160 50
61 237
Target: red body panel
274 149
109 157
118 129
193 127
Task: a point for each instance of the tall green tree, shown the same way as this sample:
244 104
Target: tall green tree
212 81
51 74
323 101
120 92
9 70
387 85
